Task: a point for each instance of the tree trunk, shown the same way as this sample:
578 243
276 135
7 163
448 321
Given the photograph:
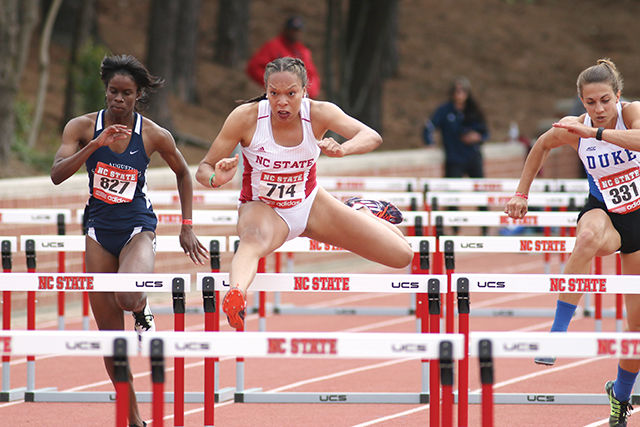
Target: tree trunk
184 70
160 47
231 45
84 24
45 41
17 20
333 22
369 25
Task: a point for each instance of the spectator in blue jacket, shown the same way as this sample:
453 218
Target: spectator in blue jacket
463 129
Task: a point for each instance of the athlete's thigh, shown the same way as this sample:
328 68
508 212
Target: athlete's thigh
260 227
138 255
631 263
605 235
331 221
98 259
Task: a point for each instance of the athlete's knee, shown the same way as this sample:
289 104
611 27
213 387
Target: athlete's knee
588 241
402 257
130 301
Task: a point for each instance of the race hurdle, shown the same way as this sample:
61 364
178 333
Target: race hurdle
445 348
420 244
489 345
330 283
77 282
529 245
8 247
39 216
118 344
535 283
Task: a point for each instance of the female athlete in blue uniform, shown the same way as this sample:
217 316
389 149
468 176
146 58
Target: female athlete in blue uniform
607 139
115 144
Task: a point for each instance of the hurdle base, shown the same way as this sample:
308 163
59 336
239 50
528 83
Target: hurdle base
527 312
329 397
52 395
13 394
350 311
544 398
225 394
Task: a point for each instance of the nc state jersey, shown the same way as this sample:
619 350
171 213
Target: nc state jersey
281 177
614 171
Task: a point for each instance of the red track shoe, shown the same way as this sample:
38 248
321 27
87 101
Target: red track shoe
234 305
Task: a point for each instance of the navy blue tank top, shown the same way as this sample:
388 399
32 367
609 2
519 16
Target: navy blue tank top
117 184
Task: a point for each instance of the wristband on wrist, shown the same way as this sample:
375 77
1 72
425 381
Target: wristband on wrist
523 195
211 184
599 134
187 221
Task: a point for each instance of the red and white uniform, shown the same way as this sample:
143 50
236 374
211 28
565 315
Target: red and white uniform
282 177
614 170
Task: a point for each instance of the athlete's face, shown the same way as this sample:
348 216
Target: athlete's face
600 102
122 92
285 93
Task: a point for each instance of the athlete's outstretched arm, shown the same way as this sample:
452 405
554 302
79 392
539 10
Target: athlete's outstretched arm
554 137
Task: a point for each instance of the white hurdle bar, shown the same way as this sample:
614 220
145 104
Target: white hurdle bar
544 344
76 243
502 184
368 183
342 283
80 282
438 199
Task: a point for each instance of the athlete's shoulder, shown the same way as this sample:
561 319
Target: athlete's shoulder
323 109
244 114
81 128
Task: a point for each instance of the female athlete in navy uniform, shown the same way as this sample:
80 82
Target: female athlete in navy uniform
281 136
115 144
607 139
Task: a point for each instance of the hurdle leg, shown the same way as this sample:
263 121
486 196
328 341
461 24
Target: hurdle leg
619 303
434 365
157 379
463 365
121 381
446 375
598 297
61 294
486 378
179 308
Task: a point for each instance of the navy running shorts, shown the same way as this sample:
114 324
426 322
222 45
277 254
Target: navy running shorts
114 241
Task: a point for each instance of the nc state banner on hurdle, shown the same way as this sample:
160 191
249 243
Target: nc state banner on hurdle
92 282
569 344
323 345
319 282
551 283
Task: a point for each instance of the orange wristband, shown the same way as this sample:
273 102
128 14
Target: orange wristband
523 195
186 221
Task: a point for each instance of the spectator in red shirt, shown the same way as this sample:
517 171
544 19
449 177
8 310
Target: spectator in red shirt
287 43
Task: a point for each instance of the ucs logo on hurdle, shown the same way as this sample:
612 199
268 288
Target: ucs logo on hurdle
405 285
83 345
